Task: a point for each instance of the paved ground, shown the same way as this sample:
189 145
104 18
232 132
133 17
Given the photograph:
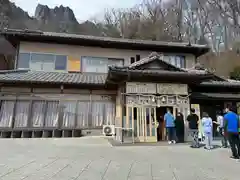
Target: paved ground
95 159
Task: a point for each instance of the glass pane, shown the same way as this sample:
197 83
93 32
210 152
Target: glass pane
69 110
48 66
38 108
37 57
110 112
83 114
172 60
22 111
6 113
94 64
166 59
51 119
36 66
23 60
115 61
183 63
178 62
42 62
61 62
97 114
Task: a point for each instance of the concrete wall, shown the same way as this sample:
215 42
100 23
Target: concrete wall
78 51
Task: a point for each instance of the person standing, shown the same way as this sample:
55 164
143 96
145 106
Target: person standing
193 120
179 125
221 129
207 124
170 126
231 121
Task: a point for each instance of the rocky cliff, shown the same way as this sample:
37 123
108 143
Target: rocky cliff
58 19
64 14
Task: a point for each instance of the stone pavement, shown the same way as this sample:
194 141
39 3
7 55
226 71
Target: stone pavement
93 158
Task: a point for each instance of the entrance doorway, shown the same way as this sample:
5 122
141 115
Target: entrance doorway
143 120
161 130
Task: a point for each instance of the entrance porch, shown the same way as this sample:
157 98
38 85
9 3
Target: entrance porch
143 113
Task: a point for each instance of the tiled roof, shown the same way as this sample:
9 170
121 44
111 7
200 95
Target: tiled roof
215 95
52 77
222 83
158 57
156 71
152 57
122 43
101 38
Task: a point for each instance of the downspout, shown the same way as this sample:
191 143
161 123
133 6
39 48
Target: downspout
122 99
16 56
89 113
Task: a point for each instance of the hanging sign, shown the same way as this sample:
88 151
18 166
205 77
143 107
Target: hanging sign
140 88
170 88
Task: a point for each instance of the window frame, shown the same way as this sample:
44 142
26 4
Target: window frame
182 59
44 53
121 60
17 63
56 59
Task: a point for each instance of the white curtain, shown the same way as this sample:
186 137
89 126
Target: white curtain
69 109
97 114
22 112
83 109
52 114
109 113
6 113
38 113
178 61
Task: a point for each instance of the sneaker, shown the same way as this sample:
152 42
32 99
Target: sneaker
174 142
169 142
207 148
234 157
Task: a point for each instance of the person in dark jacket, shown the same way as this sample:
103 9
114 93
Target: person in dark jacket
179 124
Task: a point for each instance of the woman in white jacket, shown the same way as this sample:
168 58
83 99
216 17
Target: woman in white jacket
207 125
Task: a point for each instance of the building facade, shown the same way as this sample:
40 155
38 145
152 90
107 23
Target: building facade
65 85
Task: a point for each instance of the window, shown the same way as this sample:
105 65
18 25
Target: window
69 109
98 64
38 108
132 60
52 114
22 112
61 62
23 60
138 57
178 61
42 62
6 113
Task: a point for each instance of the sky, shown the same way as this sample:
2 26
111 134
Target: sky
83 9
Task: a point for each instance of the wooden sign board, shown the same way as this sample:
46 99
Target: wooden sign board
169 88
140 88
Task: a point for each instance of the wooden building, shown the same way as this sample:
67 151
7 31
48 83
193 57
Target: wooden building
54 91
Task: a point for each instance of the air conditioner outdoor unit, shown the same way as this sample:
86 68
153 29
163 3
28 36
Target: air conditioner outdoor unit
108 130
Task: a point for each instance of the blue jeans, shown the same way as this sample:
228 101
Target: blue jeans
171 133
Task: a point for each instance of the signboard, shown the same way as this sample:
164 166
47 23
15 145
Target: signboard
140 88
169 88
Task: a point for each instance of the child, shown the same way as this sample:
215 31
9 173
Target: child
207 130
